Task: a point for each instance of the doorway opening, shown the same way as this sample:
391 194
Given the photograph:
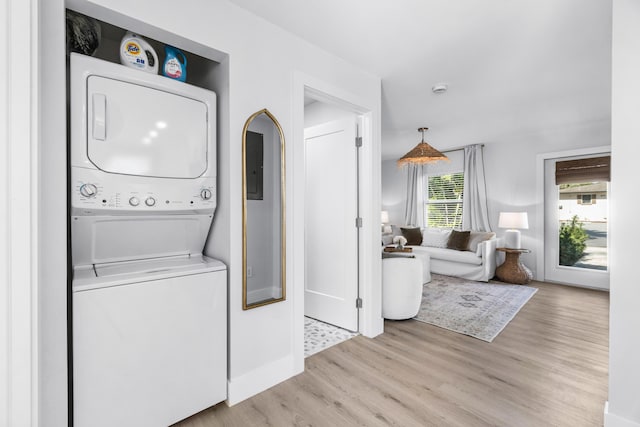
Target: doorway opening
576 220
332 230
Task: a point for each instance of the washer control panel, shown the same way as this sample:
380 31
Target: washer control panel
92 193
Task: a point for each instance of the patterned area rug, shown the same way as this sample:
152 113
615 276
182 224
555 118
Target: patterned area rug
319 335
477 309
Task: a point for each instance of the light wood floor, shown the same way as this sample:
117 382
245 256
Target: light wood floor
548 367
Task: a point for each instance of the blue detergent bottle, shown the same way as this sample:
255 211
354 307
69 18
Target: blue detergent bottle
175 64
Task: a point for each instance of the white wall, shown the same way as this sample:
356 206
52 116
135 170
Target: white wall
265 344
511 175
319 112
394 191
623 409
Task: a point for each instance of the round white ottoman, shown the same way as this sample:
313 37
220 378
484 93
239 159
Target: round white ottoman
401 287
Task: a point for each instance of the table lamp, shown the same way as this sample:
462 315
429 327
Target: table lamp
384 219
513 222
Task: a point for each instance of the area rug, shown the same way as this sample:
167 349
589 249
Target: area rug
477 309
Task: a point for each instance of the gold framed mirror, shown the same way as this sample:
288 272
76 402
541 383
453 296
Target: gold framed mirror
263 211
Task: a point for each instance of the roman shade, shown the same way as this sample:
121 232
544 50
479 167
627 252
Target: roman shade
593 169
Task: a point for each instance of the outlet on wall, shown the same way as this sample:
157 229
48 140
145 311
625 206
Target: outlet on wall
249 271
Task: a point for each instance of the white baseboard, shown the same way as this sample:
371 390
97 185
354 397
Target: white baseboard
612 420
259 380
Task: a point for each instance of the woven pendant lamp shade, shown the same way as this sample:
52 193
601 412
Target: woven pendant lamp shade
422 153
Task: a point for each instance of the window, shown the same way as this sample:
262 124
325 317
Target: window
443 201
586 199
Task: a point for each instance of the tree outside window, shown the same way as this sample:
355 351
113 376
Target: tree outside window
443 204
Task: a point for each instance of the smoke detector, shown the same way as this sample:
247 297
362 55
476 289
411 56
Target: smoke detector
439 88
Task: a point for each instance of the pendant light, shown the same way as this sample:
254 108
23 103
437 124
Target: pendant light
422 153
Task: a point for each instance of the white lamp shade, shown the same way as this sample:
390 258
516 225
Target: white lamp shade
513 220
384 217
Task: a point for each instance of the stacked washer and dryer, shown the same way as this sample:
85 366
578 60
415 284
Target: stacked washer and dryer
149 332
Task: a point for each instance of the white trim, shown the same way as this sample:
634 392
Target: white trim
370 317
540 159
52 217
18 189
259 380
5 221
612 420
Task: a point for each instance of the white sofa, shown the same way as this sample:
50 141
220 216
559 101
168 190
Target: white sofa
478 264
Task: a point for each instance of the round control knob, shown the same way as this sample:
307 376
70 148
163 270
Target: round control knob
134 201
205 194
88 190
150 201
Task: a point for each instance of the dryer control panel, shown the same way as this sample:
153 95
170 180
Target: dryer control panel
95 192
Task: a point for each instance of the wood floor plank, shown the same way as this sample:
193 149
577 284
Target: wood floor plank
548 367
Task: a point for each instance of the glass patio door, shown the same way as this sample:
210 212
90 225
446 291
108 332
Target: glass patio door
576 221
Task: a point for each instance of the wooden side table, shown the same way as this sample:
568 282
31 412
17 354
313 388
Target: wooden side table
512 270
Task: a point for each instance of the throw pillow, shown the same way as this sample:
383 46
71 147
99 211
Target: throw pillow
435 238
477 237
458 240
413 235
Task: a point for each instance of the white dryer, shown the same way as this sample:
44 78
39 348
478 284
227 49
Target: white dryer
148 308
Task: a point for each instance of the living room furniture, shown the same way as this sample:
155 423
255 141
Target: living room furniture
512 270
402 280
477 262
408 253
396 249
513 221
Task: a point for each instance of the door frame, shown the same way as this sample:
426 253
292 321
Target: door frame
540 204
370 316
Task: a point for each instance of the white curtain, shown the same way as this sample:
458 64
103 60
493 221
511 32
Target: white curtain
414 201
475 215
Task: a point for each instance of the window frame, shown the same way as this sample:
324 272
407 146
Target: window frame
427 202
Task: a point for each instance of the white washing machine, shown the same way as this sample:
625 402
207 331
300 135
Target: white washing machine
149 322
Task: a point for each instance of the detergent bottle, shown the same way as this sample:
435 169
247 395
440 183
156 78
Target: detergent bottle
175 64
135 52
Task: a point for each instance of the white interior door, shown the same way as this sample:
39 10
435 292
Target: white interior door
588 202
331 236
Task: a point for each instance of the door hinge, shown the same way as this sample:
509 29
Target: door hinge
358 302
358 222
358 141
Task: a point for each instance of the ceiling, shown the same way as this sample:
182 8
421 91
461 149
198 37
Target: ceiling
512 67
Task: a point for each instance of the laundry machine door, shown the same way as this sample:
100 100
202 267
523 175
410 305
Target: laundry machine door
149 353
134 129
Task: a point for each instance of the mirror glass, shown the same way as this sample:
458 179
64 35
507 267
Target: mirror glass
263 223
